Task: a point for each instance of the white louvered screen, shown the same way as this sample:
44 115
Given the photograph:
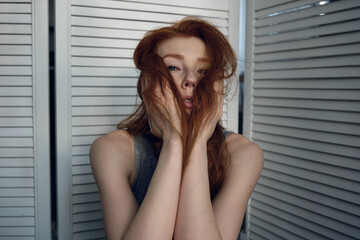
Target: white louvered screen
24 121
96 88
303 110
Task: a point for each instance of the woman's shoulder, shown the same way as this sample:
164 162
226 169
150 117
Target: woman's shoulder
242 149
113 149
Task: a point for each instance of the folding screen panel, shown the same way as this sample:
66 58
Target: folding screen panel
96 87
24 121
302 106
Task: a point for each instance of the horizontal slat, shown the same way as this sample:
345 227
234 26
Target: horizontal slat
314 125
15 111
312 135
86 198
102 62
98 111
104 82
321 157
17 192
309 210
343 173
91 130
334 6
16 132
258 231
80 150
17 212
94 234
16 142
82 160
15 8
17 221
339 61
83 179
104 91
310 94
15 29
310 73
88 188
220 10
16 101
89 216
341 150
331 83
104 42
15 39
17 233
104 72
276 188
312 32
107 33
102 101
325 115
313 21
16 182
97 120
15 50
309 53
16 92
15 70
87 207
102 52
83 169
15 60
114 23
15 18
16 122
16 171
15 80
17 202
16 162
88 226
322 44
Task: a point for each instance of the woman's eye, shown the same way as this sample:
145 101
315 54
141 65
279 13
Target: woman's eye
173 68
202 71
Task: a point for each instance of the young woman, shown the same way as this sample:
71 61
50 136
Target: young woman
170 170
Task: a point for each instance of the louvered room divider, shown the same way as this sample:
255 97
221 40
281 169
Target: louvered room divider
24 121
96 87
302 108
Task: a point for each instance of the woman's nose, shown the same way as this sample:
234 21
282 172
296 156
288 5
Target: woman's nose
190 80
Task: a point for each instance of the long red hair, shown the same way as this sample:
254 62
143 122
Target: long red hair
222 67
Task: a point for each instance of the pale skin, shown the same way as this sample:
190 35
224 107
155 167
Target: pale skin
174 207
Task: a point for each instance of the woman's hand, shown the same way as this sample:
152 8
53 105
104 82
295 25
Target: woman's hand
210 121
165 121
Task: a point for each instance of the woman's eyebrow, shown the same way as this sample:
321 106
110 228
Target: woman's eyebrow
174 55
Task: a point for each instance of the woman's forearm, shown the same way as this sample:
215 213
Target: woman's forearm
195 218
156 217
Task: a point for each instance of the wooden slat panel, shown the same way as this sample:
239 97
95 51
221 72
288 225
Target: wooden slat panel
321 43
98 120
101 62
102 52
16 122
308 12
15 18
17 202
15 111
16 162
86 207
310 53
109 33
15 50
338 94
16 132
94 234
81 227
87 198
101 101
104 72
333 127
88 188
104 82
16 172
309 22
331 83
82 160
101 111
83 179
81 150
91 130
104 42
15 81
15 39
15 60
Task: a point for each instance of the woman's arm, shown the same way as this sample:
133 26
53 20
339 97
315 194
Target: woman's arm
198 217
155 219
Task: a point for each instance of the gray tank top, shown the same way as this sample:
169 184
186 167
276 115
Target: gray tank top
146 159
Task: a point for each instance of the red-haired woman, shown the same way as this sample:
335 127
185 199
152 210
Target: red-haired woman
170 170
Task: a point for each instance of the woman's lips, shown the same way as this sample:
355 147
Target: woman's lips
188 101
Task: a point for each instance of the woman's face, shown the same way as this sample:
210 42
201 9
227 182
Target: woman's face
187 61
